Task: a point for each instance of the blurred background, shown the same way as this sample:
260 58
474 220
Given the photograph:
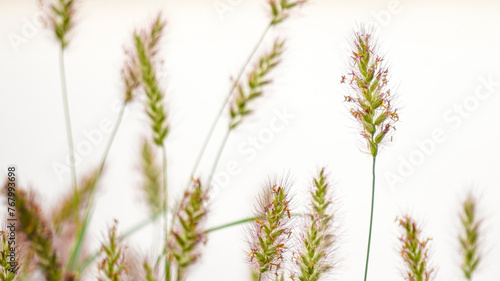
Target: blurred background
444 66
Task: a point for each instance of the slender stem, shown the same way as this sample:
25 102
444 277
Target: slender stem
371 218
230 224
69 133
260 275
72 262
217 157
179 277
226 100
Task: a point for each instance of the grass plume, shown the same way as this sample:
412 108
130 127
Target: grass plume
61 18
256 80
280 9
315 259
37 231
146 46
370 102
188 232
8 268
414 251
112 266
269 234
469 239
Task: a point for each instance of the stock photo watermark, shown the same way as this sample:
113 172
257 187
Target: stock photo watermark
250 148
455 117
222 7
28 30
92 138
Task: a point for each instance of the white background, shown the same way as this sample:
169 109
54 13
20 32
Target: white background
438 52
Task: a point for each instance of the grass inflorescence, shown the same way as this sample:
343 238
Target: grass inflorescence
414 251
315 258
256 80
188 233
39 235
270 233
112 267
8 268
469 239
146 46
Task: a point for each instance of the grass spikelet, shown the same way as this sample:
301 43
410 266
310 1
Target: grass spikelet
469 240
414 251
152 185
72 206
281 8
149 274
37 231
61 18
370 100
256 80
112 266
8 268
146 46
269 234
315 259
188 232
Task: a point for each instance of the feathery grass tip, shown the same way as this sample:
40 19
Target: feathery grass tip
61 18
38 233
469 240
270 233
188 232
146 46
280 9
414 251
370 101
112 266
8 251
256 80
315 258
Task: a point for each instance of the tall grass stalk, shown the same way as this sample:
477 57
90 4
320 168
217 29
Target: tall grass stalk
69 133
370 103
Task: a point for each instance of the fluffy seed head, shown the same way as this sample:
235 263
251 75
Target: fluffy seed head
315 258
270 233
414 251
61 18
369 97
257 78
37 231
469 239
112 266
280 9
146 47
8 269
188 232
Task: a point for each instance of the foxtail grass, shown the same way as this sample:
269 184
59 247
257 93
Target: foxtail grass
39 235
270 233
469 239
370 99
188 233
112 267
315 258
8 267
414 251
239 106
61 22
148 272
280 11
